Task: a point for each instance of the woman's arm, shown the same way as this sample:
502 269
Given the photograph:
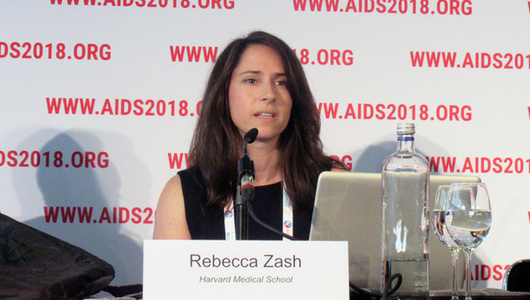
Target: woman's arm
170 218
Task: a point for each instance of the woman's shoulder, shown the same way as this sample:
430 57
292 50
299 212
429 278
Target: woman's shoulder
170 221
191 176
191 171
181 182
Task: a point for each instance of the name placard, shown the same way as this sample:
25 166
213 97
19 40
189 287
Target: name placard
190 270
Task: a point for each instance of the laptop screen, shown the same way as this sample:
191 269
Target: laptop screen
348 208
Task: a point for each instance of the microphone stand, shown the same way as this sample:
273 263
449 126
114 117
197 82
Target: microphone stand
241 215
245 193
245 188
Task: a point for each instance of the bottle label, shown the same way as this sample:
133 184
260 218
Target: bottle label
405 138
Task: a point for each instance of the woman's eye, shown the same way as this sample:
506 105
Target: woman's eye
250 80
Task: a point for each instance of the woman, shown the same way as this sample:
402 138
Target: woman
256 82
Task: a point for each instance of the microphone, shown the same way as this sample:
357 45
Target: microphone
251 136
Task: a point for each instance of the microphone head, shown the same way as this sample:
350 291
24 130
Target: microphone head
251 135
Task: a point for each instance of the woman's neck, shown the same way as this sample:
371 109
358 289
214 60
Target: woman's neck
266 162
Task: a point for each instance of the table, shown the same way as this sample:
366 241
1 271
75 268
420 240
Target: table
476 294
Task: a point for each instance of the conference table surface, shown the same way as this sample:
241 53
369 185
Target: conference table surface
476 294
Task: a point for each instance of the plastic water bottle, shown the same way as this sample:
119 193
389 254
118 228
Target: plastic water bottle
405 189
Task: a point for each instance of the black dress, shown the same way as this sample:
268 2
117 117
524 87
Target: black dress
208 223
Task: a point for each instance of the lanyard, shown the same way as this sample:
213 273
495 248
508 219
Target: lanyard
287 226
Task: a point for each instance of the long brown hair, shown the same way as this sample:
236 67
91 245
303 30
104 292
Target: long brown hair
217 143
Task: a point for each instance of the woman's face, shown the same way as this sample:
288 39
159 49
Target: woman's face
258 94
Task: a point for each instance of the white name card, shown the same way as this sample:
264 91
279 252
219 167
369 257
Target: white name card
191 270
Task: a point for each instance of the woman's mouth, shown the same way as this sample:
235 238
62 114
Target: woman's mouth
264 115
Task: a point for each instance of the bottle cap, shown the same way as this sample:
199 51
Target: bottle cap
406 128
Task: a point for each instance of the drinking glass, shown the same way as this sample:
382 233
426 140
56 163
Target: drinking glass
439 215
468 219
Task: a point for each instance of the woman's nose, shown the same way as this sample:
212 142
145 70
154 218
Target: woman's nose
268 92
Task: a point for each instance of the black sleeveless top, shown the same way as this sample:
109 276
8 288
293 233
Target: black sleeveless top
208 223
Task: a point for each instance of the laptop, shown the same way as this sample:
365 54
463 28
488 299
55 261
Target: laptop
348 208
